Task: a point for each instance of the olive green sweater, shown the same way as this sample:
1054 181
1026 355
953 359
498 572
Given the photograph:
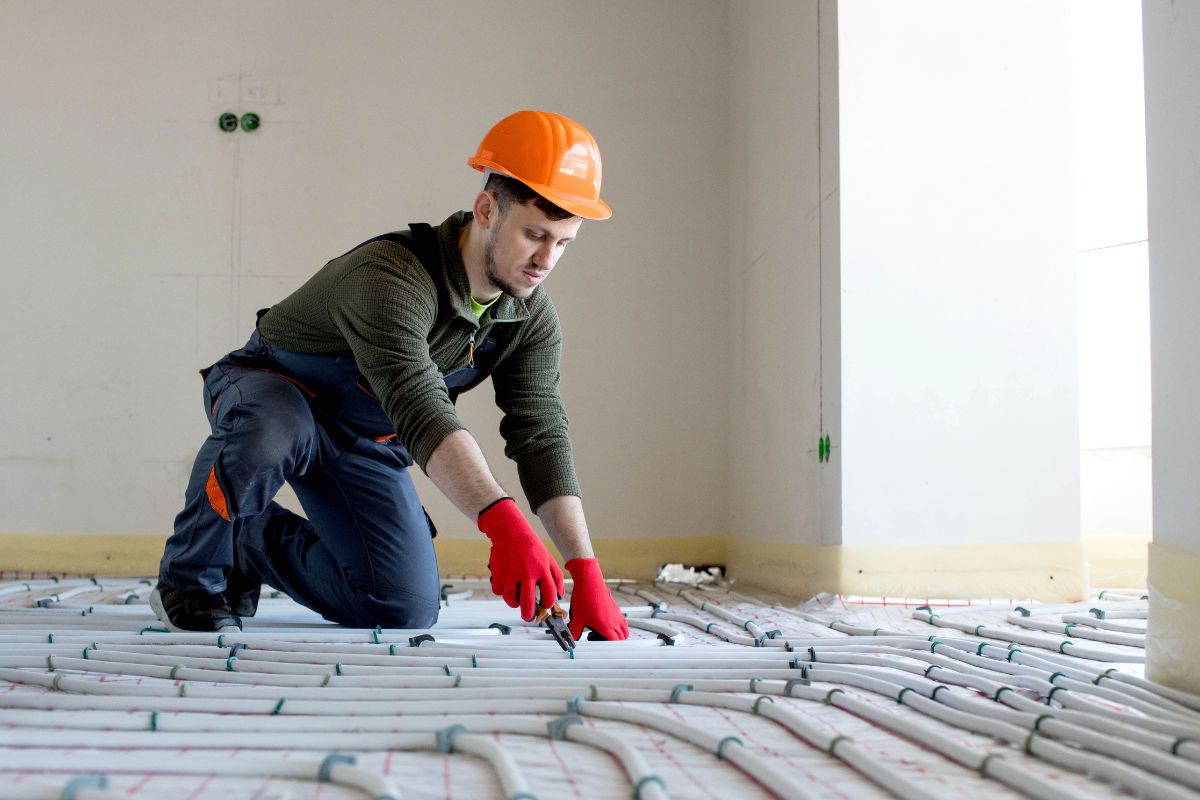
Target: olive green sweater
379 303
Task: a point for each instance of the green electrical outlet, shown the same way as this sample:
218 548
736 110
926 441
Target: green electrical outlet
250 122
821 449
228 122
828 448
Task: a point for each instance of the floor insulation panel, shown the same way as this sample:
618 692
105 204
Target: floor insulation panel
721 692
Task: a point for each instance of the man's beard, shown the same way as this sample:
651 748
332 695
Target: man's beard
493 275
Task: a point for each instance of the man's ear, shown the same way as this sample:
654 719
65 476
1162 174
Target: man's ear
485 210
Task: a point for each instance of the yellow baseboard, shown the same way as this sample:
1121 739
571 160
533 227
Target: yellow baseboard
101 554
798 571
621 558
1043 571
139 555
1173 636
1117 562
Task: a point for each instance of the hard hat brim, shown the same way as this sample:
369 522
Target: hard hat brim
580 207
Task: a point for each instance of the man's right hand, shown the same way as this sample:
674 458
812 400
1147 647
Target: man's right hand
520 563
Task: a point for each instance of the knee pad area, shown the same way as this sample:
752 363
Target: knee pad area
396 608
265 442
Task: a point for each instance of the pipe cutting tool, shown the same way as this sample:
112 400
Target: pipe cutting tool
555 620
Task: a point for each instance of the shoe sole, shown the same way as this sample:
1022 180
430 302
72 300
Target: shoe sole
155 601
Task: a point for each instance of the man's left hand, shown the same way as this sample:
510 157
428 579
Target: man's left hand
592 605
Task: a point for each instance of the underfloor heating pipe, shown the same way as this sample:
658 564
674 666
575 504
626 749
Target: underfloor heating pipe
59 595
164 654
1103 623
747 627
220 723
342 772
730 750
1041 681
1042 641
1079 630
1117 772
1151 714
84 787
930 616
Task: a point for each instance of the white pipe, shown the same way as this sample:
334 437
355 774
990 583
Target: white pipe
1092 621
780 783
36 790
1078 630
373 660
50 760
511 780
1057 644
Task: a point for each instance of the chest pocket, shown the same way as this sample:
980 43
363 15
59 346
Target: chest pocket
466 378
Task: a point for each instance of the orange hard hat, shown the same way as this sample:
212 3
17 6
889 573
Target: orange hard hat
551 154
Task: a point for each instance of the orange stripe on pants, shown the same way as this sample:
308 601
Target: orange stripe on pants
216 498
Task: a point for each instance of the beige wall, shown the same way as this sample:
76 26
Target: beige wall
775 277
784 290
703 321
140 239
1171 36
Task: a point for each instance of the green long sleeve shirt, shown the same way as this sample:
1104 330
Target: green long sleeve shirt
379 303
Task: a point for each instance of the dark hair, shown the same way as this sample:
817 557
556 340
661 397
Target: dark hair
510 190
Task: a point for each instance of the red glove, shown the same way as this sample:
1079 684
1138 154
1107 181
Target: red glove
592 605
519 562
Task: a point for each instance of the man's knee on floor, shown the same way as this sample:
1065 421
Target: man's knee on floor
270 441
393 607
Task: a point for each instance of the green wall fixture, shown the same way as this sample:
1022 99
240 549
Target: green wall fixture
821 448
250 122
227 122
828 448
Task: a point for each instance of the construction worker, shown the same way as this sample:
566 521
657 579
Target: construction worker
353 377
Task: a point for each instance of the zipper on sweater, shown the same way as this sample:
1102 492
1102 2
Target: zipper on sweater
471 352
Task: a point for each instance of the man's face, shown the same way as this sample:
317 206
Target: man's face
524 246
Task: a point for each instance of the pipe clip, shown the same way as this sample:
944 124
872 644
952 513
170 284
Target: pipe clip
680 687
75 785
331 759
645 779
445 737
719 752
558 727
417 641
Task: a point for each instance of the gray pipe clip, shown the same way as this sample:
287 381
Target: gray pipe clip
331 759
558 727
445 737
74 785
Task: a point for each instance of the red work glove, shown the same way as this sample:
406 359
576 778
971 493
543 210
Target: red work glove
519 562
592 605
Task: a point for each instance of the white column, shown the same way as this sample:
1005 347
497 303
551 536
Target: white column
1171 37
958 321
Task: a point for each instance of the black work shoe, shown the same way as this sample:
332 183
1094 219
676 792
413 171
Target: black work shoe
241 592
194 610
